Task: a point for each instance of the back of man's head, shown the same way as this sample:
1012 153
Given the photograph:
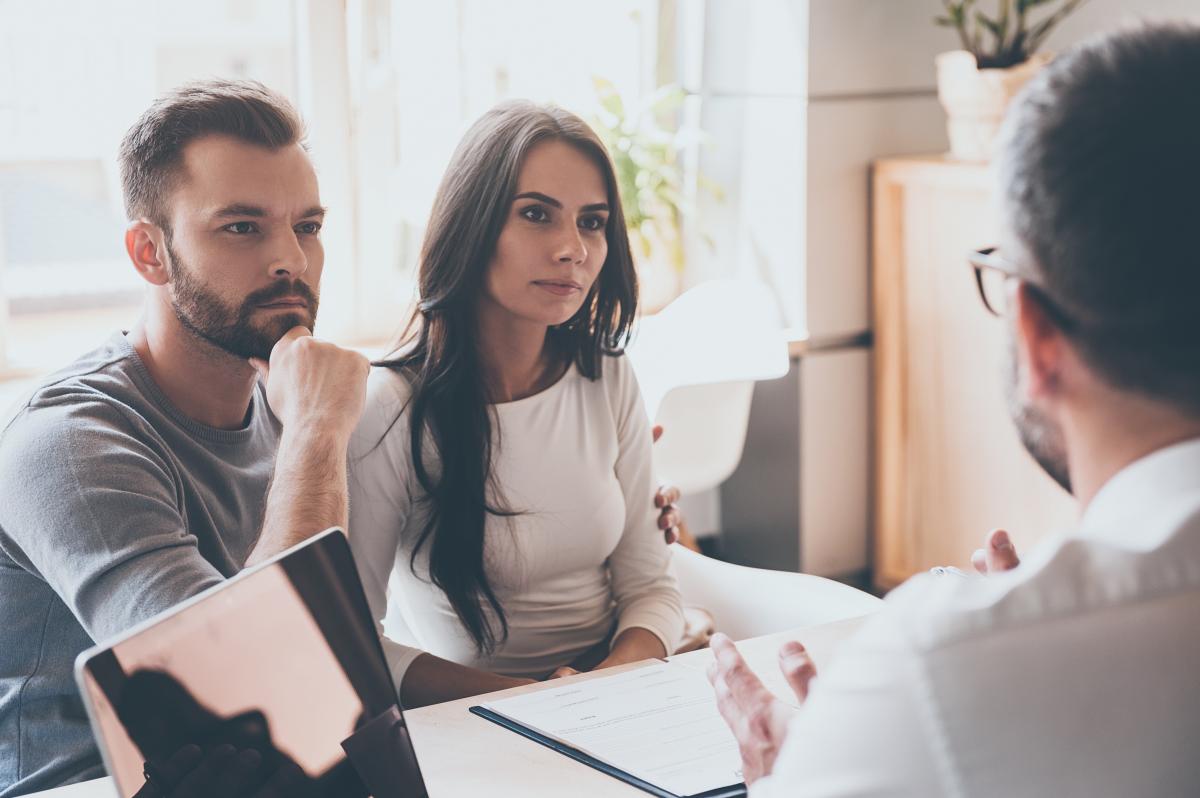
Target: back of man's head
1100 172
151 155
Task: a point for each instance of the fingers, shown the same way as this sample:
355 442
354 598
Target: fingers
743 684
299 331
979 560
656 432
666 495
668 522
1001 553
747 707
565 670
261 367
797 667
733 713
668 517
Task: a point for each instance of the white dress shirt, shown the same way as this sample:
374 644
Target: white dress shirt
584 560
1077 674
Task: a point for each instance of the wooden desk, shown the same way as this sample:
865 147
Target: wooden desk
462 754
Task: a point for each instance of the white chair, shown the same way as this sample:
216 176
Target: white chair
749 602
696 362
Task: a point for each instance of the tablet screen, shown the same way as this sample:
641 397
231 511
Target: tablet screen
275 678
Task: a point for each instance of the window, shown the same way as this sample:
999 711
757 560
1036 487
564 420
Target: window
386 87
423 72
73 77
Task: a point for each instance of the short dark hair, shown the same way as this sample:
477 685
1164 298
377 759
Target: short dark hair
1100 173
152 150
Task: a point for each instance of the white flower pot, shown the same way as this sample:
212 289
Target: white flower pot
975 100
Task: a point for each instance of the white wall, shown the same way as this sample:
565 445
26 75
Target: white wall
872 92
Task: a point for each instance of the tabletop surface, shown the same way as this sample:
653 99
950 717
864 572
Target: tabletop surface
463 754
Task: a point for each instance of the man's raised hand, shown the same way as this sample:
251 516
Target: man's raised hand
757 718
997 555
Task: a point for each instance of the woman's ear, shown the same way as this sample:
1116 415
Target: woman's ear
147 249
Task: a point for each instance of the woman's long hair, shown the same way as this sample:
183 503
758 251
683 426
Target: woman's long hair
439 353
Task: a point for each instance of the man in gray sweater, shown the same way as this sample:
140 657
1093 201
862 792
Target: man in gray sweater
210 436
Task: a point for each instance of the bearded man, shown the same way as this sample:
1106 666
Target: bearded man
209 436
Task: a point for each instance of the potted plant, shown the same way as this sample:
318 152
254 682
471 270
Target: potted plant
999 56
647 156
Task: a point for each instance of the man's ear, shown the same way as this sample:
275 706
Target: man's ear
147 249
1041 345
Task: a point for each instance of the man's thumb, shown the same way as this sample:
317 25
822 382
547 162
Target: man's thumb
261 367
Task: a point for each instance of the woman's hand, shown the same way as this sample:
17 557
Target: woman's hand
670 519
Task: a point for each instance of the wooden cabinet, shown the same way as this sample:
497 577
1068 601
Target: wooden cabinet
948 464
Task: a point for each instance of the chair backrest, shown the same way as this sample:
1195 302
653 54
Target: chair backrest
696 363
704 434
749 602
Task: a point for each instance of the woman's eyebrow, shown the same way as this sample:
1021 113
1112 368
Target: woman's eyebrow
537 195
546 198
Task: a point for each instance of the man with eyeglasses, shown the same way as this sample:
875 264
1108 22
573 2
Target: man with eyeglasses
1075 673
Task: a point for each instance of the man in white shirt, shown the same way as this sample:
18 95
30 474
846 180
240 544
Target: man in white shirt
1077 672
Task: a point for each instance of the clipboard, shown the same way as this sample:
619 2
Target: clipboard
731 791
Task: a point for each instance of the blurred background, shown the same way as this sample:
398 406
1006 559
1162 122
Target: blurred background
796 146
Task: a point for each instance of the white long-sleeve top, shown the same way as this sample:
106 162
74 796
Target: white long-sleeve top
583 560
1077 674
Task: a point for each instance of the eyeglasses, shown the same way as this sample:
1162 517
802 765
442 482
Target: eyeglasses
993 272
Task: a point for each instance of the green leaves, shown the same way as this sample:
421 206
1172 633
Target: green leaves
645 144
1009 39
610 99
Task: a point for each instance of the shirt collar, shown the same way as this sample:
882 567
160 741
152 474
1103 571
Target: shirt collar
1167 480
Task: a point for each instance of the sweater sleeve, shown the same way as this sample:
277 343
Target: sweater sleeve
643 581
380 502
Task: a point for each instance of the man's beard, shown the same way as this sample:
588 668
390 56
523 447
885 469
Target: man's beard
1042 437
234 330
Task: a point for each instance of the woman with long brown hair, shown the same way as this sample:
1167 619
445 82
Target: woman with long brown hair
501 476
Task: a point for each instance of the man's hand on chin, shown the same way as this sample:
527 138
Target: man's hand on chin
313 385
757 718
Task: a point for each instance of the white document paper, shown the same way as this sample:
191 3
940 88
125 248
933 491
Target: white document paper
659 723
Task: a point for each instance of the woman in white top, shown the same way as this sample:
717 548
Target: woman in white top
500 478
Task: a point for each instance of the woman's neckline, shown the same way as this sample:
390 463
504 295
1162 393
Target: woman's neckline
543 393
